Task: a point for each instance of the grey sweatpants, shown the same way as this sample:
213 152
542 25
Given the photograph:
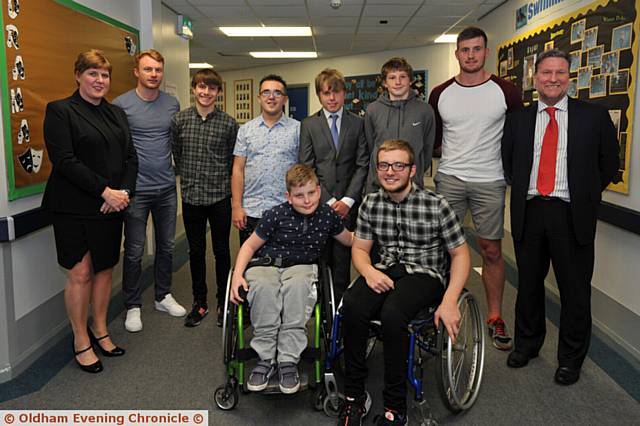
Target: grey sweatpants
282 301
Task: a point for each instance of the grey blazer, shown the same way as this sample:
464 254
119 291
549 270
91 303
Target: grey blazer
342 173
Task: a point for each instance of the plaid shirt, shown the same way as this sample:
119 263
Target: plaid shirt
413 232
203 153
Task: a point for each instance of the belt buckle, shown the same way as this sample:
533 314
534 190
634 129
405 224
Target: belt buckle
277 262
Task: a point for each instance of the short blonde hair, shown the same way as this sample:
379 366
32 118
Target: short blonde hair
399 145
152 53
92 58
299 175
332 78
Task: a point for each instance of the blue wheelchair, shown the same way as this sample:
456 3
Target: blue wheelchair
459 365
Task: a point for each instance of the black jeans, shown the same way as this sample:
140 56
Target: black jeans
195 225
396 308
245 233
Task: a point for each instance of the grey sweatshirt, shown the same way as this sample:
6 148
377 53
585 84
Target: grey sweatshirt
411 120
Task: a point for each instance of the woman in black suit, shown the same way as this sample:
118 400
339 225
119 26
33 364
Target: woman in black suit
93 176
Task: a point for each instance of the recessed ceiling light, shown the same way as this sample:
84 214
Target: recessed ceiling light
447 38
284 54
194 65
266 31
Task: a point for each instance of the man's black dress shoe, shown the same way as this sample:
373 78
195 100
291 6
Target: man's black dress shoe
116 351
518 359
566 375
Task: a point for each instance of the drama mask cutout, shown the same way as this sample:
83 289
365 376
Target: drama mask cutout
18 68
17 103
130 45
26 161
36 159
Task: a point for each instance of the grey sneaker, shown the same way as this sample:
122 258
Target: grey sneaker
289 377
260 375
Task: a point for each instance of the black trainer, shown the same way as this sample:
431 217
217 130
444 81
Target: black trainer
354 410
391 418
198 312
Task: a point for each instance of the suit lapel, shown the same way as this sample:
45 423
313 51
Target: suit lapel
530 133
344 129
81 109
572 131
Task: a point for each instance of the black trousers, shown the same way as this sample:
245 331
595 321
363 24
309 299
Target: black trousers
195 225
245 233
396 308
549 238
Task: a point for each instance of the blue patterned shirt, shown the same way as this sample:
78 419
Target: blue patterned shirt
295 236
269 153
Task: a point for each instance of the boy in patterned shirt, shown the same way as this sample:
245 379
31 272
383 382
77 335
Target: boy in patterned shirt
282 286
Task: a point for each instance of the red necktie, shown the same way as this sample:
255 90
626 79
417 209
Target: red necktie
547 169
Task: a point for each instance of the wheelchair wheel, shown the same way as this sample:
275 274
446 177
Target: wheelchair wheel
226 397
459 365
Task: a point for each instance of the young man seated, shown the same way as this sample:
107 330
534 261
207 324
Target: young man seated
413 228
282 286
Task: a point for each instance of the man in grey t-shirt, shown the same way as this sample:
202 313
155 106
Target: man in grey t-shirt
149 112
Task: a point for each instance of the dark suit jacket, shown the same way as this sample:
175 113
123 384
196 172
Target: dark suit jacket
592 157
342 173
78 149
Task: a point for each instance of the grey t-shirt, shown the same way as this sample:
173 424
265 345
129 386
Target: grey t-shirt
149 123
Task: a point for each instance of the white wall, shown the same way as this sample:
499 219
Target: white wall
437 59
617 251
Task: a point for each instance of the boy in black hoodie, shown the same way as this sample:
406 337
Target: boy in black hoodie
399 114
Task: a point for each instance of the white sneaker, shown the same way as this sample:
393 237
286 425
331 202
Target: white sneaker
133 323
169 304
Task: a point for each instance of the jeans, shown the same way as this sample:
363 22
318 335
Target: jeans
162 205
195 225
396 308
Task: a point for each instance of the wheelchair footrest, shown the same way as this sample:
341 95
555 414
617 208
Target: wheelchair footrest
273 388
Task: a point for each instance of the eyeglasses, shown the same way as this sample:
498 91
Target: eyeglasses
396 167
268 93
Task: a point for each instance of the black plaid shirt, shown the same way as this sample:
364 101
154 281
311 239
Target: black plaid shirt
203 153
414 232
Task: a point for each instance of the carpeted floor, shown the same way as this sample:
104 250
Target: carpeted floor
169 366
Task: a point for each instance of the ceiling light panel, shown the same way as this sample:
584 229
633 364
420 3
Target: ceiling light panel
266 31
284 54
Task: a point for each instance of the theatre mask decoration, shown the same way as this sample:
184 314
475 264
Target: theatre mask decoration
26 161
13 8
17 71
36 159
12 36
23 132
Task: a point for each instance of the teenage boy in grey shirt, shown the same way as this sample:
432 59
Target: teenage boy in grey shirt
149 112
399 114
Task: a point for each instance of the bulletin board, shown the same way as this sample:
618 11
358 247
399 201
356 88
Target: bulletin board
361 90
42 39
601 39
243 91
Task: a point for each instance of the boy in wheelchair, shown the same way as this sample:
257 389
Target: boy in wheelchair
277 266
412 228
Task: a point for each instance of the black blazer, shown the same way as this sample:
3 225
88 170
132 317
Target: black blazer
77 148
592 157
341 173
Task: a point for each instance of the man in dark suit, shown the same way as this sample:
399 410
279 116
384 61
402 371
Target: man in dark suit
332 141
559 154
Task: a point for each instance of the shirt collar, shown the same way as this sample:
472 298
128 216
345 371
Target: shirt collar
281 121
561 105
411 193
327 114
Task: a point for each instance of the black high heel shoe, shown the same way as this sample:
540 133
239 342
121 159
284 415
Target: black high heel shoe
116 351
96 367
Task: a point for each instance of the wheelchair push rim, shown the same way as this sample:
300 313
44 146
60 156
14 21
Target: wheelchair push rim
460 365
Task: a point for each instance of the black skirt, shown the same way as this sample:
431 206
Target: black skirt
77 235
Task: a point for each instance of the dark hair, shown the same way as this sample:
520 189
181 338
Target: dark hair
471 32
396 64
152 53
207 76
92 58
396 144
552 53
333 78
273 77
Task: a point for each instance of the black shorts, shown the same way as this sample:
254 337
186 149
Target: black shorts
77 235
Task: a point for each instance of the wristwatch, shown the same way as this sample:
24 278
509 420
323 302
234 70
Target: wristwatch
126 191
